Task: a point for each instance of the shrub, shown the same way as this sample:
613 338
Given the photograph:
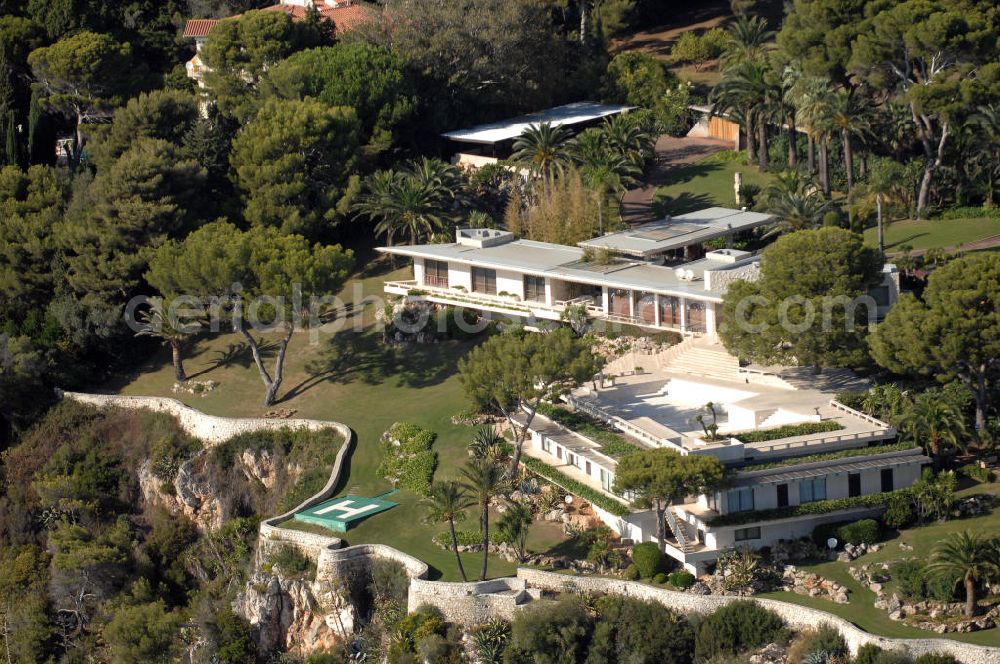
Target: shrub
410 463
898 512
290 561
635 630
737 627
660 578
909 576
631 573
787 431
681 579
943 588
490 640
825 639
464 537
865 531
935 658
977 473
647 558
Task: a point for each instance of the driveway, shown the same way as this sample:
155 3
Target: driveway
671 152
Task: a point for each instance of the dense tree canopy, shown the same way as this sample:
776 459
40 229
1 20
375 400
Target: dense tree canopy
953 331
804 308
368 78
295 164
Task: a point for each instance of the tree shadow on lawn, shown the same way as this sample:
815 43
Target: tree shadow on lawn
351 356
905 240
237 354
665 205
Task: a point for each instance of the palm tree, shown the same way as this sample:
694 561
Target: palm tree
488 443
728 99
604 170
514 525
987 120
747 41
815 102
934 423
542 148
851 116
751 89
968 556
795 211
167 325
376 193
445 181
484 480
627 138
447 503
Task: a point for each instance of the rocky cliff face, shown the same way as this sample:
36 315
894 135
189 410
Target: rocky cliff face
200 495
292 614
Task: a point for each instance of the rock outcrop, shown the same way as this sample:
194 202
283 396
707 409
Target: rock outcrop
292 614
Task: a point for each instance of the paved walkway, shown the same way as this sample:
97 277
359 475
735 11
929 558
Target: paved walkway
637 203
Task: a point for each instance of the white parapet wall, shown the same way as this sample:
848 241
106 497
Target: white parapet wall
796 616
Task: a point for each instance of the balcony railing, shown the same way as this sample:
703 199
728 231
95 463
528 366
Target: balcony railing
435 281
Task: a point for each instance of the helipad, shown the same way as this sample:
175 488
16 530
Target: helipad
341 513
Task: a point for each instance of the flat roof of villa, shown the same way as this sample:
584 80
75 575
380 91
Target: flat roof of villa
566 263
657 237
569 114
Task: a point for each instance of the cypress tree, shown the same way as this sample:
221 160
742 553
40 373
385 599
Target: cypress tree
7 138
41 148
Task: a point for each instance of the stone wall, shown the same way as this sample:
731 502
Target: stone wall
208 428
796 616
471 603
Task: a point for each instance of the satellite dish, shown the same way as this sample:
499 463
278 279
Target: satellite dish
831 543
569 500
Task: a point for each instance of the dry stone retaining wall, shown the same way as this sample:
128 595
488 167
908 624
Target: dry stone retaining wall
796 616
209 428
471 603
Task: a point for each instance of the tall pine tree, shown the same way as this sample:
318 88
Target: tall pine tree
41 147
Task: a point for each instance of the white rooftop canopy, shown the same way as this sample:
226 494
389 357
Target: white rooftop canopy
657 237
502 130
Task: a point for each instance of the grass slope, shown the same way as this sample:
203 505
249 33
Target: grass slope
930 233
861 610
706 183
353 378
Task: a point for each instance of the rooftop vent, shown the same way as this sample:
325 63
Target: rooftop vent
482 237
727 255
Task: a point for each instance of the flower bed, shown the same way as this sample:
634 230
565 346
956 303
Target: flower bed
829 456
606 503
787 431
818 507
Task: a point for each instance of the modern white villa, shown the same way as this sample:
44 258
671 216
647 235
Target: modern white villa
655 276
789 446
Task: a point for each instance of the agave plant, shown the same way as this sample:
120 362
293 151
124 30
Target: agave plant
490 640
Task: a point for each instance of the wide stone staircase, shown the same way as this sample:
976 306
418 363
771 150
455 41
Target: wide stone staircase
703 358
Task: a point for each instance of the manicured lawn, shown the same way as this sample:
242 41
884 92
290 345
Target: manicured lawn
927 234
706 183
351 377
861 610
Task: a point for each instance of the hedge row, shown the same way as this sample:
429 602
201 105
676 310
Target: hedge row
818 507
787 431
464 537
828 456
574 487
612 444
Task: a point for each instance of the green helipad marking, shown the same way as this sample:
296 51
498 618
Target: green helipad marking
341 513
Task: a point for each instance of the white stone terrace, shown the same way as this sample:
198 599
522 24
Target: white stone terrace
659 408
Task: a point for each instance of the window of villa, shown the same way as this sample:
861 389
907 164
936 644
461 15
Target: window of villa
484 280
436 273
534 288
812 490
558 452
744 534
605 480
588 467
740 500
546 444
887 483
